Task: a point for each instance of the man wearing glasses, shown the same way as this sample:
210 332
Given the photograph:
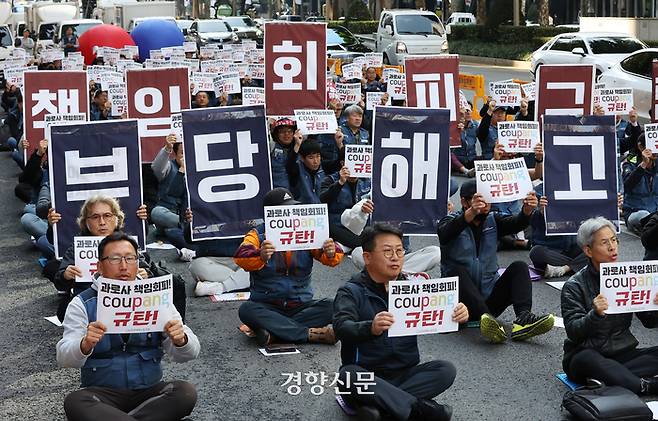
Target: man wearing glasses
121 374
402 388
469 245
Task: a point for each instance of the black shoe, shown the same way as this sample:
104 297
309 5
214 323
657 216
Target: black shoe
263 337
368 413
649 386
429 410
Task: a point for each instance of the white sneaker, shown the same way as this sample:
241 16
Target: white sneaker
205 288
555 271
186 255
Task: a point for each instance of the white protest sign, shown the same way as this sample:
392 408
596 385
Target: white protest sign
241 68
249 44
95 72
502 181
201 81
506 94
375 98
360 61
110 55
192 63
156 55
238 56
396 85
130 51
651 136
86 256
253 96
629 286
213 66
107 78
316 121
422 306
348 93
374 59
387 71
256 71
358 159
228 83
352 71
257 56
177 126
139 306
56 119
118 97
529 91
189 46
14 76
518 136
208 51
617 101
297 227
72 63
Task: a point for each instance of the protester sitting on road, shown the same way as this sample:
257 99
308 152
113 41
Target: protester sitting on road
172 196
601 346
468 247
99 216
281 307
121 374
305 170
640 186
466 154
355 219
341 192
352 128
403 389
487 131
213 267
284 131
556 255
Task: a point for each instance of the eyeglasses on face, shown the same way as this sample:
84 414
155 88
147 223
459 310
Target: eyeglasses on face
97 216
116 260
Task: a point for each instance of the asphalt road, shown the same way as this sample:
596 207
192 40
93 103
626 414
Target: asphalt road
234 381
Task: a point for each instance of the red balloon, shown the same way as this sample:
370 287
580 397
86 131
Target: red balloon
103 36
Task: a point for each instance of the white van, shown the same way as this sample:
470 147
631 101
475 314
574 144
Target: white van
409 31
460 18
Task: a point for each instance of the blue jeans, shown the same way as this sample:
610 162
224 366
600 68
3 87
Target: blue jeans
634 221
33 225
164 218
46 249
17 154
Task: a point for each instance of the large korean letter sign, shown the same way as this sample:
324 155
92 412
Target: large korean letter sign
153 96
564 90
90 159
654 91
51 92
433 82
295 63
411 167
227 168
580 171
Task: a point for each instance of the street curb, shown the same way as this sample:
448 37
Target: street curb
495 61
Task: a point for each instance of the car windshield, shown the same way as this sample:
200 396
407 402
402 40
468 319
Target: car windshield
418 24
240 21
79 28
47 31
5 36
213 26
184 24
614 45
339 36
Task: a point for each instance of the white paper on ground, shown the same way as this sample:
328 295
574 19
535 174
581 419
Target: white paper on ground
653 406
559 322
160 246
267 354
556 284
231 296
54 320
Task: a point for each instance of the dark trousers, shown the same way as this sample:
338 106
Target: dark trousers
542 256
163 402
396 394
512 288
287 324
344 236
622 370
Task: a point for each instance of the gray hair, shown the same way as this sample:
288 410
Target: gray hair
590 227
353 109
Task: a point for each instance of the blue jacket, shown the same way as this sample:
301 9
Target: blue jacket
169 189
355 307
462 251
132 365
278 157
466 152
307 188
338 198
362 137
640 186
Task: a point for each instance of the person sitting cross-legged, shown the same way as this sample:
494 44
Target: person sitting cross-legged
121 374
403 388
281 307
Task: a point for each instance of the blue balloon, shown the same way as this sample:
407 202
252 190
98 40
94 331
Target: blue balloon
153 34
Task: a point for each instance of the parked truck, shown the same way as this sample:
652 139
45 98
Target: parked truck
121 13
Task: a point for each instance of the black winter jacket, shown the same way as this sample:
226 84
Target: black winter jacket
610 335
355 307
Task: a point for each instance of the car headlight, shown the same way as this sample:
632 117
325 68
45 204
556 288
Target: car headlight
400 47
235 37
259 33
444 46
203 40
